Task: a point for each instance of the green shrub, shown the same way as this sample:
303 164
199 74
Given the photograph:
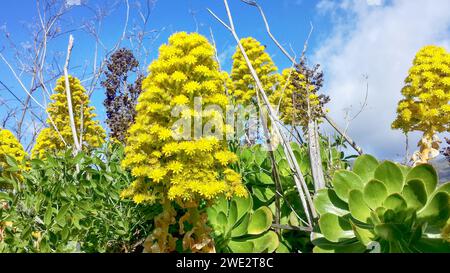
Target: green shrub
72 204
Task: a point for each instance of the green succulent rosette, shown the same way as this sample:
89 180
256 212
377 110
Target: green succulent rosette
383 207
240 229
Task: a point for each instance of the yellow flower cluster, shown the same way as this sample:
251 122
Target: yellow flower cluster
9 145
164 166
49 140
244 87
427 94
291 101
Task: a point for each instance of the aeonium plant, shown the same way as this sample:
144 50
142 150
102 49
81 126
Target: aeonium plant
383 207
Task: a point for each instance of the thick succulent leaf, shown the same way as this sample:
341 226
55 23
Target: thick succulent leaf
365 236
390 216
335 228
375 193
283 248
221 205
244 205
241 246
222 222
415 194
358 208
349 246
365 167
444 188
437 210
427 174
212 216
232 215
432 245
241 228
260 221
391 175
395 202
377 215
388 232
326 201
344 182
266 243
405 169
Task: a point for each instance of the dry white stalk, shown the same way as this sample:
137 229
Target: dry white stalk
300 182
69 97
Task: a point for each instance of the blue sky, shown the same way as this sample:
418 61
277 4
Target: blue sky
351 38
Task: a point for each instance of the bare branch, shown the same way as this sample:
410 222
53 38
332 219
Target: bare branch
302 188
69 96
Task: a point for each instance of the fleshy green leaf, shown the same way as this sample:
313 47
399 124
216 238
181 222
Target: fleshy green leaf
335 228
232 215
241 246
244 205
388 232
391 175
427 174
365 236
242 227
260 221
266 243
375 193
365 167
437 211
222 222
357 206
344 182
395 202
348 246
415 194
327 201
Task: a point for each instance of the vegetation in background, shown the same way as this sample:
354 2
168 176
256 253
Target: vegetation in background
298 95
72 204
244 87
51 140
10 147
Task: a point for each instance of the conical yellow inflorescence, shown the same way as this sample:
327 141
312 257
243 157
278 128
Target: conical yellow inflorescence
50 140
244 87
10 146
426 105
168 168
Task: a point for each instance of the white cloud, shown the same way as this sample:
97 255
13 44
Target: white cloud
379 41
